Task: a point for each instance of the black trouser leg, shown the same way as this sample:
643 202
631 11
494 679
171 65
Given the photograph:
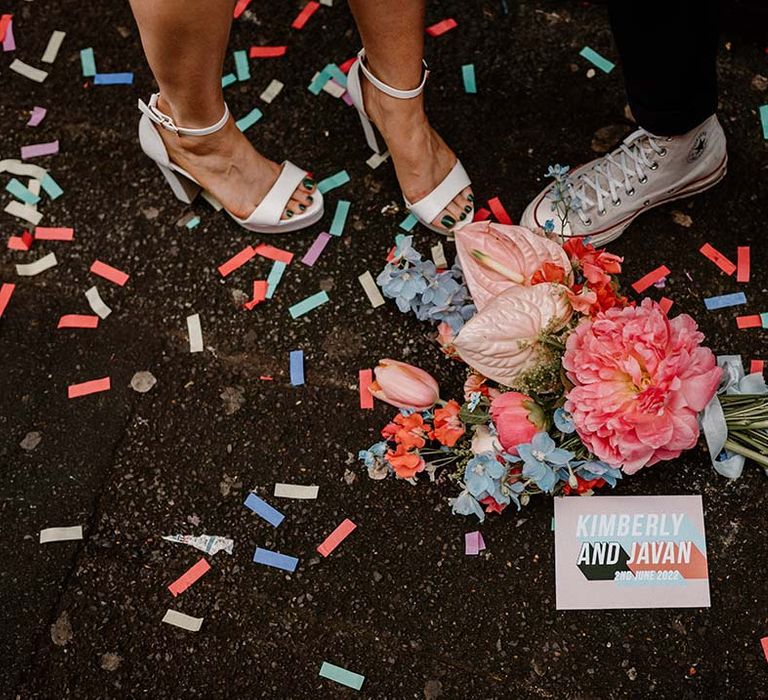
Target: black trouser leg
668 51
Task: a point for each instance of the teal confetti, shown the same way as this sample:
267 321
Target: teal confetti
51 187
408 223
308 304
194 221
468 74
316 86
764 120
764 319
88 62
332 182
274 277
21 193
228 79
342 676
339 218
336 73
242 69
597 60
249 119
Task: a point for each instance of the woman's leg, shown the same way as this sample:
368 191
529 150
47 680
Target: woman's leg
393 37
185 43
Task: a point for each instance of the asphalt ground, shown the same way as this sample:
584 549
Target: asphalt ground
398 602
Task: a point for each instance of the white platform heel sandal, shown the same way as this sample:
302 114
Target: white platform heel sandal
265 218
427 208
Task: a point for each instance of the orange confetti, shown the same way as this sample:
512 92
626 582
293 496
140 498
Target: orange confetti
85 388
498 210
109 273
651 278
718 258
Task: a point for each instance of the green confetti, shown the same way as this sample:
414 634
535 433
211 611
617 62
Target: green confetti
308 304
597 60
468 74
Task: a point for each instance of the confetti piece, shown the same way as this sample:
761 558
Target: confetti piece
756 367
311 256
177 619
371 290
301 19
753 321
342 676
18 190
764 319
597 60
332 182
334 89
51 187
195 331
377 159
665 304
438 257
764 640
308 304
113 79
365 379
473 543
210 544
272 91
37 115
274 277
297 367
442 27
725 300
650 279
236 261
468 75
40 149
482 214
28 71
249 119
54 234
339 218
259 294
318 82
97 305
36 267
189 577
54 44
267 52
16 167
24 212
108 272
92 387
275 559
240 7
228 79
88 62
408 223
242 69
9 42
498 210
78 321
61 534
259 506
192 223
742 263
304 493
336 537
23 242
272 253
718 258
5 25
6 292
763 119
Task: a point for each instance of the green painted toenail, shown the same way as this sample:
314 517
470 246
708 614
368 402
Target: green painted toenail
467 209
288 213
471 197
309 183
302 207
448 221
462 217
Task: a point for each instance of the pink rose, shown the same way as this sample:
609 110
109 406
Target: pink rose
404 386
517 418
640 381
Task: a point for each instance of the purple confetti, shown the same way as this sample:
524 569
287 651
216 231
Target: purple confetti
40 149
311 256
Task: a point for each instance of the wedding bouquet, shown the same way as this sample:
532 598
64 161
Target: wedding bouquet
570 385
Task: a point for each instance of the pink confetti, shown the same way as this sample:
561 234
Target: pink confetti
335 538
38 114
40 149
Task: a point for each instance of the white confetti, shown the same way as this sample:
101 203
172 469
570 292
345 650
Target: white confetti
97 305
272 91
377 159
333 88
23 211
195 333
54 44
296 491
28 71
61 534
193 624
17 167
438 256
371 290
35 268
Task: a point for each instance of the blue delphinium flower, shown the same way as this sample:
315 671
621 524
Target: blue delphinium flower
405 251
541 458
466 504
376 451
401 284
557 171
595 469
481 472
563 421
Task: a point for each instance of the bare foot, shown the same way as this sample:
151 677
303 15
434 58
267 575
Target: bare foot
421 158
227 165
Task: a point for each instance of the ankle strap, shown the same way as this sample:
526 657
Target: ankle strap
388 89
166 121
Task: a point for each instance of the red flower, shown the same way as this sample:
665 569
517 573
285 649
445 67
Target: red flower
406 464
583 485
448 427
491 505
409 431
548 272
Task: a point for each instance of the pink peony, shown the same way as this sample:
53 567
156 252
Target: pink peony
517 418
640 381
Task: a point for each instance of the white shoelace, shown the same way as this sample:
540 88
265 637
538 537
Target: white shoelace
617 169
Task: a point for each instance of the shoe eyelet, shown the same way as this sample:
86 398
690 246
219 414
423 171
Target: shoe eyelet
642 180
654 165
630 193
616 203
662 152
588 222
600 212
